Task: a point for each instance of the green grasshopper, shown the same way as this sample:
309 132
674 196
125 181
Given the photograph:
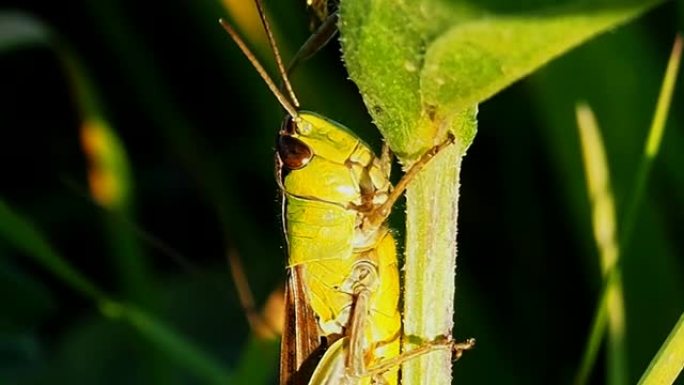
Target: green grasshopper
343 324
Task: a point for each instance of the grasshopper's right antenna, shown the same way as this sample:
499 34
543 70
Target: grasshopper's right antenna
276 52
291 109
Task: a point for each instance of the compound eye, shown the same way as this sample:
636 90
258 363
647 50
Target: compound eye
294 153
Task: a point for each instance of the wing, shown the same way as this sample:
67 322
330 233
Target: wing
301 347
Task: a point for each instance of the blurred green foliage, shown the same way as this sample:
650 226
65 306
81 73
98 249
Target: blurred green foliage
198 127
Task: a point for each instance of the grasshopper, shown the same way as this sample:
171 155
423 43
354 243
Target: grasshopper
343 324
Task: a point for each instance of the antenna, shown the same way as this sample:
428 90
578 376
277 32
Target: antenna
276 53
291 110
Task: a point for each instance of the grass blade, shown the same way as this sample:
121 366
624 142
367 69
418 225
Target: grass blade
651 148
19 30
25 237
668 362
604 224
652 145
184 352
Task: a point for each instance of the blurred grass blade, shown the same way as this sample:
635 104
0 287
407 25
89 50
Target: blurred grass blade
267 324
18 30
668 362
108 171
651 148
245 17
181 350
110 182
108 174
110 186
652 145
154 97
604 225
598 326
598 187
253 367
20 234
23 236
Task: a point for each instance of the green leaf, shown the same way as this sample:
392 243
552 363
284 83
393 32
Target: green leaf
420 63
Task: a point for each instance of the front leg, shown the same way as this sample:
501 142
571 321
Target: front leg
380 214
319 39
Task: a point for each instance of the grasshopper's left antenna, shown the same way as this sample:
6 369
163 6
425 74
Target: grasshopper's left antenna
291 109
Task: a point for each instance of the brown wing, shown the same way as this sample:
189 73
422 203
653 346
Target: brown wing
301 347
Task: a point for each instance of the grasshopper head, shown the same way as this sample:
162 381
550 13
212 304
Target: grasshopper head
321 159
309 134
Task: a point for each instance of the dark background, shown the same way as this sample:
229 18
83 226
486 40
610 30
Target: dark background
198 127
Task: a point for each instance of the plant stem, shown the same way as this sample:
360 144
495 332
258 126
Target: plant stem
432 211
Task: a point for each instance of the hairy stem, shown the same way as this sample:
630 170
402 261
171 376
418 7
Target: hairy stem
432 211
